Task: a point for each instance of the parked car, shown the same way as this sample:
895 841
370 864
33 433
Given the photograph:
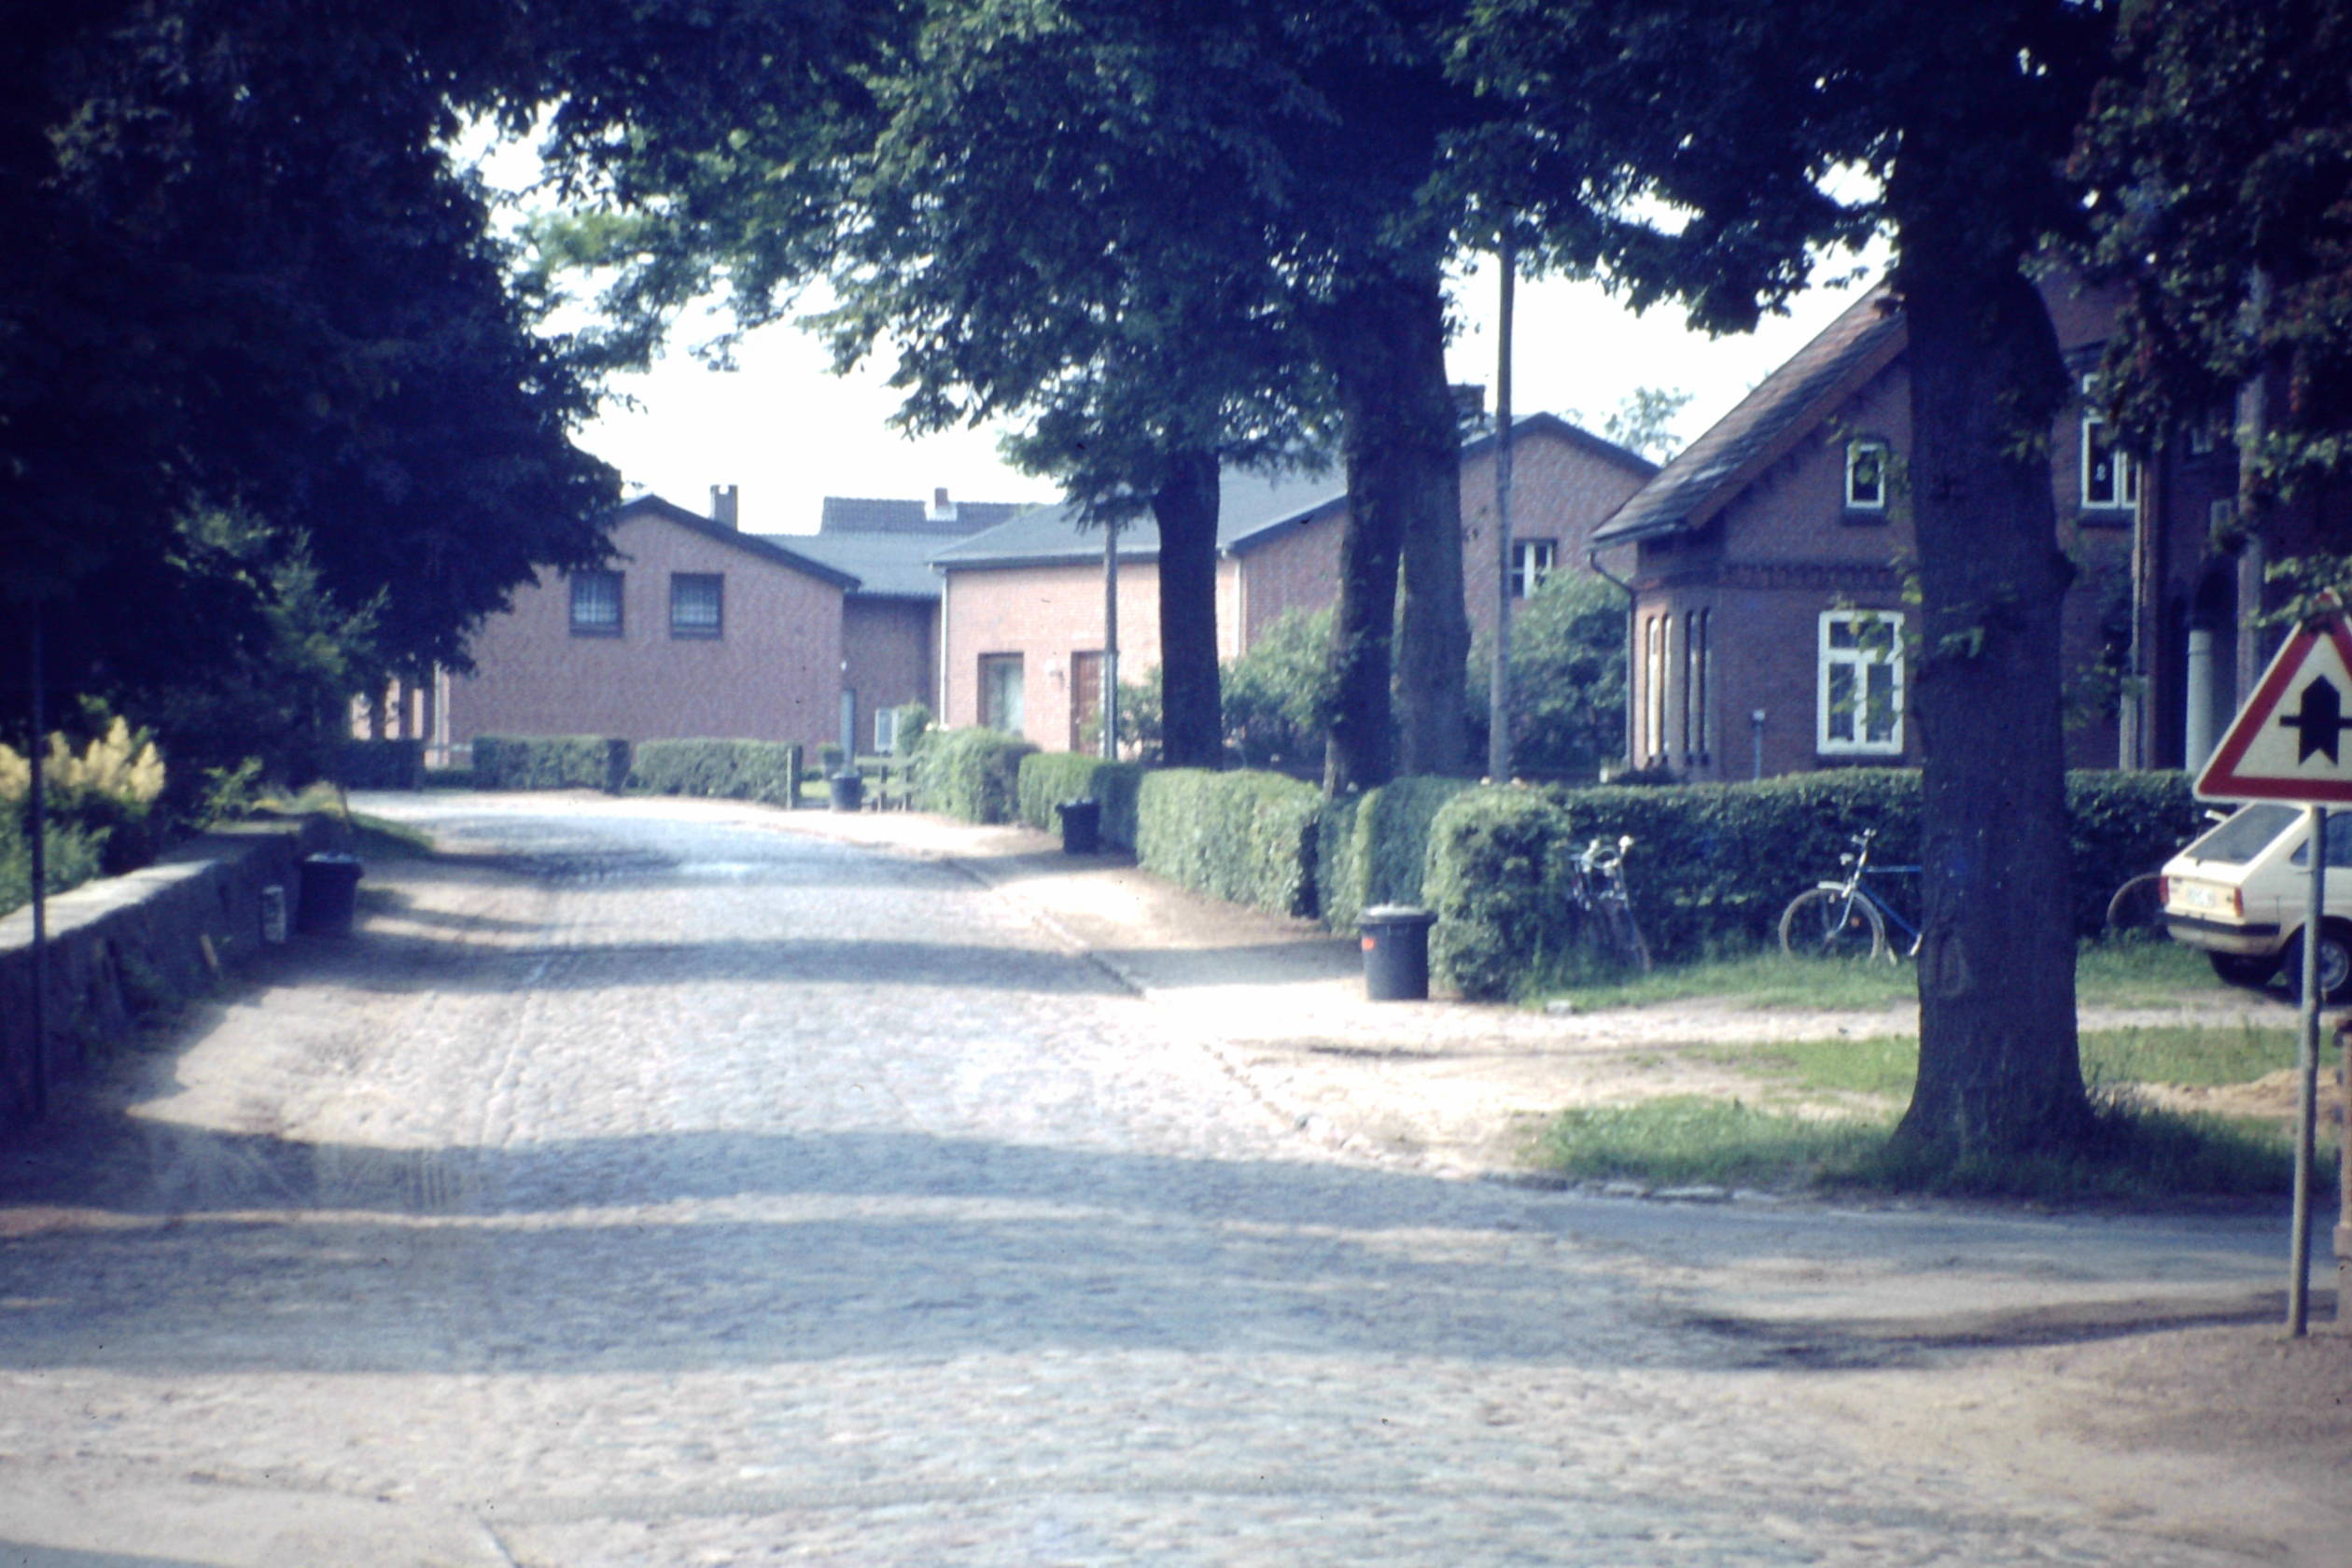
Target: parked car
2240 892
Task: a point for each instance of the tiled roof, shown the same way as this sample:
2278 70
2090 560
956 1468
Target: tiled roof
853 514
753 544
888 566
1794 400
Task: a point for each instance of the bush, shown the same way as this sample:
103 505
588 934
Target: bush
971 774
73 857
914 724
1277 694
1049 777
1567 677
378 764
750 770
1248 837
1373 848
1712 866
550 763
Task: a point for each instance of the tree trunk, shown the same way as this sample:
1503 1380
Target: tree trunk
1999 1068
1191 719
1385 348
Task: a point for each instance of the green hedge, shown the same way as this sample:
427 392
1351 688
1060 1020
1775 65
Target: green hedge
378 764
1248 837
73 854
971 774
550 763
1373 848
750 770
1712 866
1050 777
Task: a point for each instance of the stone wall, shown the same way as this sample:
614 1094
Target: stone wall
126 943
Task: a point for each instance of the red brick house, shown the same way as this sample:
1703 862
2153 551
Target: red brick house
694 630
1768 615
1022 619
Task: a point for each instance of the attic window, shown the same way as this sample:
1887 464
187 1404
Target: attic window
1866 476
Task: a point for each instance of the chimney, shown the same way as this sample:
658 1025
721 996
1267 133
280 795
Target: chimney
722 506
941 509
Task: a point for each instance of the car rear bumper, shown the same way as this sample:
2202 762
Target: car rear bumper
2253 941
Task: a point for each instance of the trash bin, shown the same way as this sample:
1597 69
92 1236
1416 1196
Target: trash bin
329 893
848 790
1081 825
1396 952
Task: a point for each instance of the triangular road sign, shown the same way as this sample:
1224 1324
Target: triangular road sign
2292 740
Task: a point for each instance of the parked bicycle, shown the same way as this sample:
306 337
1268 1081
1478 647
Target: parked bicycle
1848 918
1607 906
2136 912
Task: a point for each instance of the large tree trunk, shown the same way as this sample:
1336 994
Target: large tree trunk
1385 346
1999 1068
1191 719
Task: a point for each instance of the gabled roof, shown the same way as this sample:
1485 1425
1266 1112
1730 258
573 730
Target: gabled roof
888 566
856 514
1252 509
751 544
1784 408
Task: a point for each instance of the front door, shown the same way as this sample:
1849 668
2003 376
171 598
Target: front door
1086 700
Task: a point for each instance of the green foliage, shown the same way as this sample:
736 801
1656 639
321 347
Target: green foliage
1277 695
1246 837
550 763
914 724
379 764
1373 848
1712 866
971 774
751 770
1686 1140
1568 691
1049 777
230 792
73 856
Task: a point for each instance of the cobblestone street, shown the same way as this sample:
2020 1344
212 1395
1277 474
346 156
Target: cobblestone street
645 1185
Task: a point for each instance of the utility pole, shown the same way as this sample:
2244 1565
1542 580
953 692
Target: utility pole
1499 684
39 827
1111 641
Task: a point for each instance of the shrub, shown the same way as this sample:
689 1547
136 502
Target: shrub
73 857
378 764
914 724
971 774
1049 777
1373 848
1248 837
1277 693
1567 677
550 763
1495 880
751 770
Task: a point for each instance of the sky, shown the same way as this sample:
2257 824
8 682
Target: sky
788 432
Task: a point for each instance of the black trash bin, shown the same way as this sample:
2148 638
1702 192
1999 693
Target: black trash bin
848 790
1396 952
1081 825
330 895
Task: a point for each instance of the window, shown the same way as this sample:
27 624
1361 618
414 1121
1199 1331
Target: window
1694 716
885 731
1532 561
1861 682
697 604
1001 706
2110 479
596 604
1866 476
1654 637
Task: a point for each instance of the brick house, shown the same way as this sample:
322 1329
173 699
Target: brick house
1022 618
1768 609
694 630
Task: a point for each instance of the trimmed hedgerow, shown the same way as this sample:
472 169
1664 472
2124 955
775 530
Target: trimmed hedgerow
1712 866
768 770
1373 848
550 763
1245 836
971 774
1049 777
378 764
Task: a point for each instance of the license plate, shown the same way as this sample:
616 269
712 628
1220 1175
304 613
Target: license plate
2203 897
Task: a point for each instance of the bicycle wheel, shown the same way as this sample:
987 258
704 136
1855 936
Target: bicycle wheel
1831 923
2136 911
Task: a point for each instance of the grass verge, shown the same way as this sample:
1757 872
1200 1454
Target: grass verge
2187 1056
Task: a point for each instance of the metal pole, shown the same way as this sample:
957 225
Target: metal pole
40 826
1499 685
2307 1073
1111 641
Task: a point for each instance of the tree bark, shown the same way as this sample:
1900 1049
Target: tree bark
1999 1072
1192 720
1385 348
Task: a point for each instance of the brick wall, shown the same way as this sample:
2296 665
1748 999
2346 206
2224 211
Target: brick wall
891 657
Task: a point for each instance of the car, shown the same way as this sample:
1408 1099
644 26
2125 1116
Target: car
2240 892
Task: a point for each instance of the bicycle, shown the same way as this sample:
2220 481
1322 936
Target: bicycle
1846 919
1606 904
2138 909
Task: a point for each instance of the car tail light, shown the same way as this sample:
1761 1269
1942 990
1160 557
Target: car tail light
2237 904
2163 891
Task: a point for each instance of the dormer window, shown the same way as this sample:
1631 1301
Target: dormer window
1866 476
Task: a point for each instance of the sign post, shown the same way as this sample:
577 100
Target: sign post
2287 744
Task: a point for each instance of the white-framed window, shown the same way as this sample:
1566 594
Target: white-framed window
1866 477
2110 477
1000 695
1655 636
886 732
1532 561
697 604
1696 629
596 604
1861 683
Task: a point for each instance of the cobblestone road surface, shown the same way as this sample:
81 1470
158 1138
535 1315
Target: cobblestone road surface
642 1186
